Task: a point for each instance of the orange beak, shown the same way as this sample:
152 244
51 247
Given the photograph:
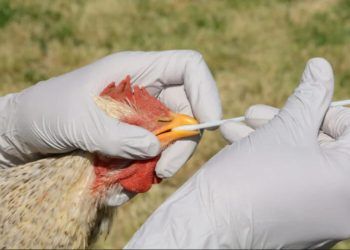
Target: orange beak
167 136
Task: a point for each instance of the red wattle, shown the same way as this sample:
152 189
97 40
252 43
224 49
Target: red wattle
137 176
143 178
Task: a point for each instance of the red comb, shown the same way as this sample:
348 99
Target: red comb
119 92
138 97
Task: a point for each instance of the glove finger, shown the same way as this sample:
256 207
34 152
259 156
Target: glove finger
201 89
113 138
260 114
176 155
157 70
306 107
188 68
325 140
337 125
235 131
255 117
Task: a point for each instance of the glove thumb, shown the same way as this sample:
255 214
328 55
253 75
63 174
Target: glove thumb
306 108
113 138
235 131
337 125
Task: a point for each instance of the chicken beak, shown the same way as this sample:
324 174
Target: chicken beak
167 136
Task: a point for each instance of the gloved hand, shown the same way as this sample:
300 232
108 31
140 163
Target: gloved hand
276 188
260 114
59 115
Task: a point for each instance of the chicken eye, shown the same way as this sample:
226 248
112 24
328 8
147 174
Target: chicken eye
164 119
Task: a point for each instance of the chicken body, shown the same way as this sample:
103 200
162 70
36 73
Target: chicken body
59 202
48 203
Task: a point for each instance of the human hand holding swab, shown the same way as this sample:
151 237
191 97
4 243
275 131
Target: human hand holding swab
217 123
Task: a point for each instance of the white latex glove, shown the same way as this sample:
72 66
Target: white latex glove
277 188
260 114
59 115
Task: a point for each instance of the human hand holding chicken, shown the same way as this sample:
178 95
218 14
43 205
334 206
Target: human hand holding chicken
284 185
63 200
59 115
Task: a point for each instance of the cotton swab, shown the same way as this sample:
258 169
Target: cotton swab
213 124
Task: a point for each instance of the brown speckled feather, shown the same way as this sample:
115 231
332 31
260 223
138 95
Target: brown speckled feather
49 204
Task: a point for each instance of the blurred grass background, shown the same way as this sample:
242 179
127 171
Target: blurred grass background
255 49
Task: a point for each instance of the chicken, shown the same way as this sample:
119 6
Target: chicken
58 202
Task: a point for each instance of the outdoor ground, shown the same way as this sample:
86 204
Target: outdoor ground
255 49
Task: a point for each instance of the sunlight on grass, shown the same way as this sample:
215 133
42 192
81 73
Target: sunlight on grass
256 50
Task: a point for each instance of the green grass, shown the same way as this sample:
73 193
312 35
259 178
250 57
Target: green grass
256 50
